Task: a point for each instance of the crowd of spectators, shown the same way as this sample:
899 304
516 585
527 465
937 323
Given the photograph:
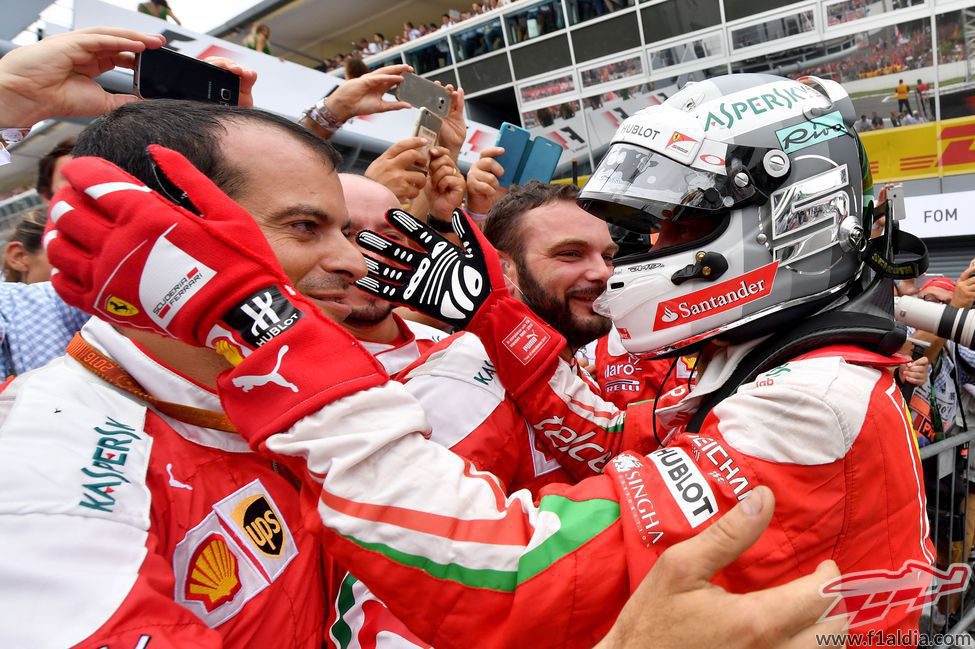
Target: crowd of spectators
891 50
412 30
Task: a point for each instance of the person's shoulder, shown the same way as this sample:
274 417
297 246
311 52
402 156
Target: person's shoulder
805 411
76 461
460 357
17 294
425 332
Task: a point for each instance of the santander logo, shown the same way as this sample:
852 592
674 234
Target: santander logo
717 298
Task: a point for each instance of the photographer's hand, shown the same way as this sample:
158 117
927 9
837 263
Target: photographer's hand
364 96
55 77
248 78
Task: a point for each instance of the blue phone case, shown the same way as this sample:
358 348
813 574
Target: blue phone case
514 139
540 161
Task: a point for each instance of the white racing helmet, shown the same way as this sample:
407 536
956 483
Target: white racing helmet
751 187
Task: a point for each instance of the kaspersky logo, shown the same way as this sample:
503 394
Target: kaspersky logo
715 299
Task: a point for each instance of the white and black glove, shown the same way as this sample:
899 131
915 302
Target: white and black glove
444 282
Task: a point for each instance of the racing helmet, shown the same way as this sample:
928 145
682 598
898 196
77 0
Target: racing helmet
739 204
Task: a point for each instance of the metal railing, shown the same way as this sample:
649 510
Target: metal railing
951 512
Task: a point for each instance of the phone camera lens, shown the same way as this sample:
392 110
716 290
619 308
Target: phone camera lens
225 94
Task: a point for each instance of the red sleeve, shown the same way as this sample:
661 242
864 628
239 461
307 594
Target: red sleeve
580 429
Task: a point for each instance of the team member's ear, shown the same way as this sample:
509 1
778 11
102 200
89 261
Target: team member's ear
510 271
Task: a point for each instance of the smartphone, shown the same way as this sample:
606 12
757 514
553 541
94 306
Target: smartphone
539 162
427 126
514 139
423 93
167 74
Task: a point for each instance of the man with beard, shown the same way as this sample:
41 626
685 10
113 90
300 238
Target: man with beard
557 259
555 256
394 342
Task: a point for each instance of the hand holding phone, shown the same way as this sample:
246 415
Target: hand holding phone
514 140
539 161
428 127
167 74
525 159
423 93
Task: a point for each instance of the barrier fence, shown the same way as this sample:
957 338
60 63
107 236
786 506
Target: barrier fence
951 512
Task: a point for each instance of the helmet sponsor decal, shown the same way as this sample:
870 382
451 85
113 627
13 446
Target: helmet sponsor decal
751 109
799 136
718 298
680 142
630 127
668 131
711 157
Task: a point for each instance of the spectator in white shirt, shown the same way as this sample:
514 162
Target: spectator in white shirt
410 32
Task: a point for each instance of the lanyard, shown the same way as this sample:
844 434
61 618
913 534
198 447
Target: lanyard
108 370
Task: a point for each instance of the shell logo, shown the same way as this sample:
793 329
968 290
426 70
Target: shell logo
213 579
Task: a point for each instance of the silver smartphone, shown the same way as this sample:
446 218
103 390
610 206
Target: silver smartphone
422 93
427 126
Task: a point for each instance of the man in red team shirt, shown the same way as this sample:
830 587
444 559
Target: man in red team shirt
241 553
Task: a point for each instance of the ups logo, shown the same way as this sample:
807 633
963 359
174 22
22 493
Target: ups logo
261 524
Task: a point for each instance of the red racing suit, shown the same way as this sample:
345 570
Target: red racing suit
415 338
124 528
464 564
470 413
624 378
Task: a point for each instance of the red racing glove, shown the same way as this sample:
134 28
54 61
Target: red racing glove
128 255
465 288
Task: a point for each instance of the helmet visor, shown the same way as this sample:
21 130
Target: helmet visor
636 188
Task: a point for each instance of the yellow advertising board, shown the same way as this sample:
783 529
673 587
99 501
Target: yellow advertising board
912 152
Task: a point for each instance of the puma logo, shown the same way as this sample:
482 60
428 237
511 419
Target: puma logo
248 383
